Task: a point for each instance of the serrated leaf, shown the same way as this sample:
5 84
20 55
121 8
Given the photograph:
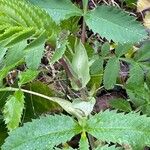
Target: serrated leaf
25 34
34 52
25 16
27 76
96 71
84 144
80 64
143 53
58 10
97 66
140 96
111 72
43 133
136 75
120 128
122 49
15 53
60 47
105 50
13 110
114 24
120 104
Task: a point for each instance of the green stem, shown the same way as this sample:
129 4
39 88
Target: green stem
66 105
83 35
85 8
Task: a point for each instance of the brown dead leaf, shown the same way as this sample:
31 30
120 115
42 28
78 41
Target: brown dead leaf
143 5
147 20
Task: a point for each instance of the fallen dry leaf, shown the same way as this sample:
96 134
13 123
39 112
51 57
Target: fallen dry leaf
147 20
143 5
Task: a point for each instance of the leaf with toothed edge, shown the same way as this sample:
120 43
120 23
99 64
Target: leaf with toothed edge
121 128
111 72
43 133
58 10
114 24
13 110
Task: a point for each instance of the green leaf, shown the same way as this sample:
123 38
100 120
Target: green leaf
13 110
36 105
34 52
22 35
143 53
140 96
114 24
120 104
105 50
119 128
97 66
96 80
2 53
71 24
3 133
84 144
96 71
111 72
136 75
43 133
85 107
5 70
131 3
122 49
58 10
60 47
15 53
27 76
3 98
85 5
21 20
80 64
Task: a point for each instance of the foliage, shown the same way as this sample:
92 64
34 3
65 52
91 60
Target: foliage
13 110
115 25
46 133
45 68
58 10
111 72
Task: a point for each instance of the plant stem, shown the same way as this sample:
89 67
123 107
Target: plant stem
83 35
85 7
66 105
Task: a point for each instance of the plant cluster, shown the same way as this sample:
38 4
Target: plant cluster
55 56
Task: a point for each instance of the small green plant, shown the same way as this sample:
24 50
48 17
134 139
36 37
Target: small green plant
26 28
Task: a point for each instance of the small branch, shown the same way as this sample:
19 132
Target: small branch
83 34
85 8
66 105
